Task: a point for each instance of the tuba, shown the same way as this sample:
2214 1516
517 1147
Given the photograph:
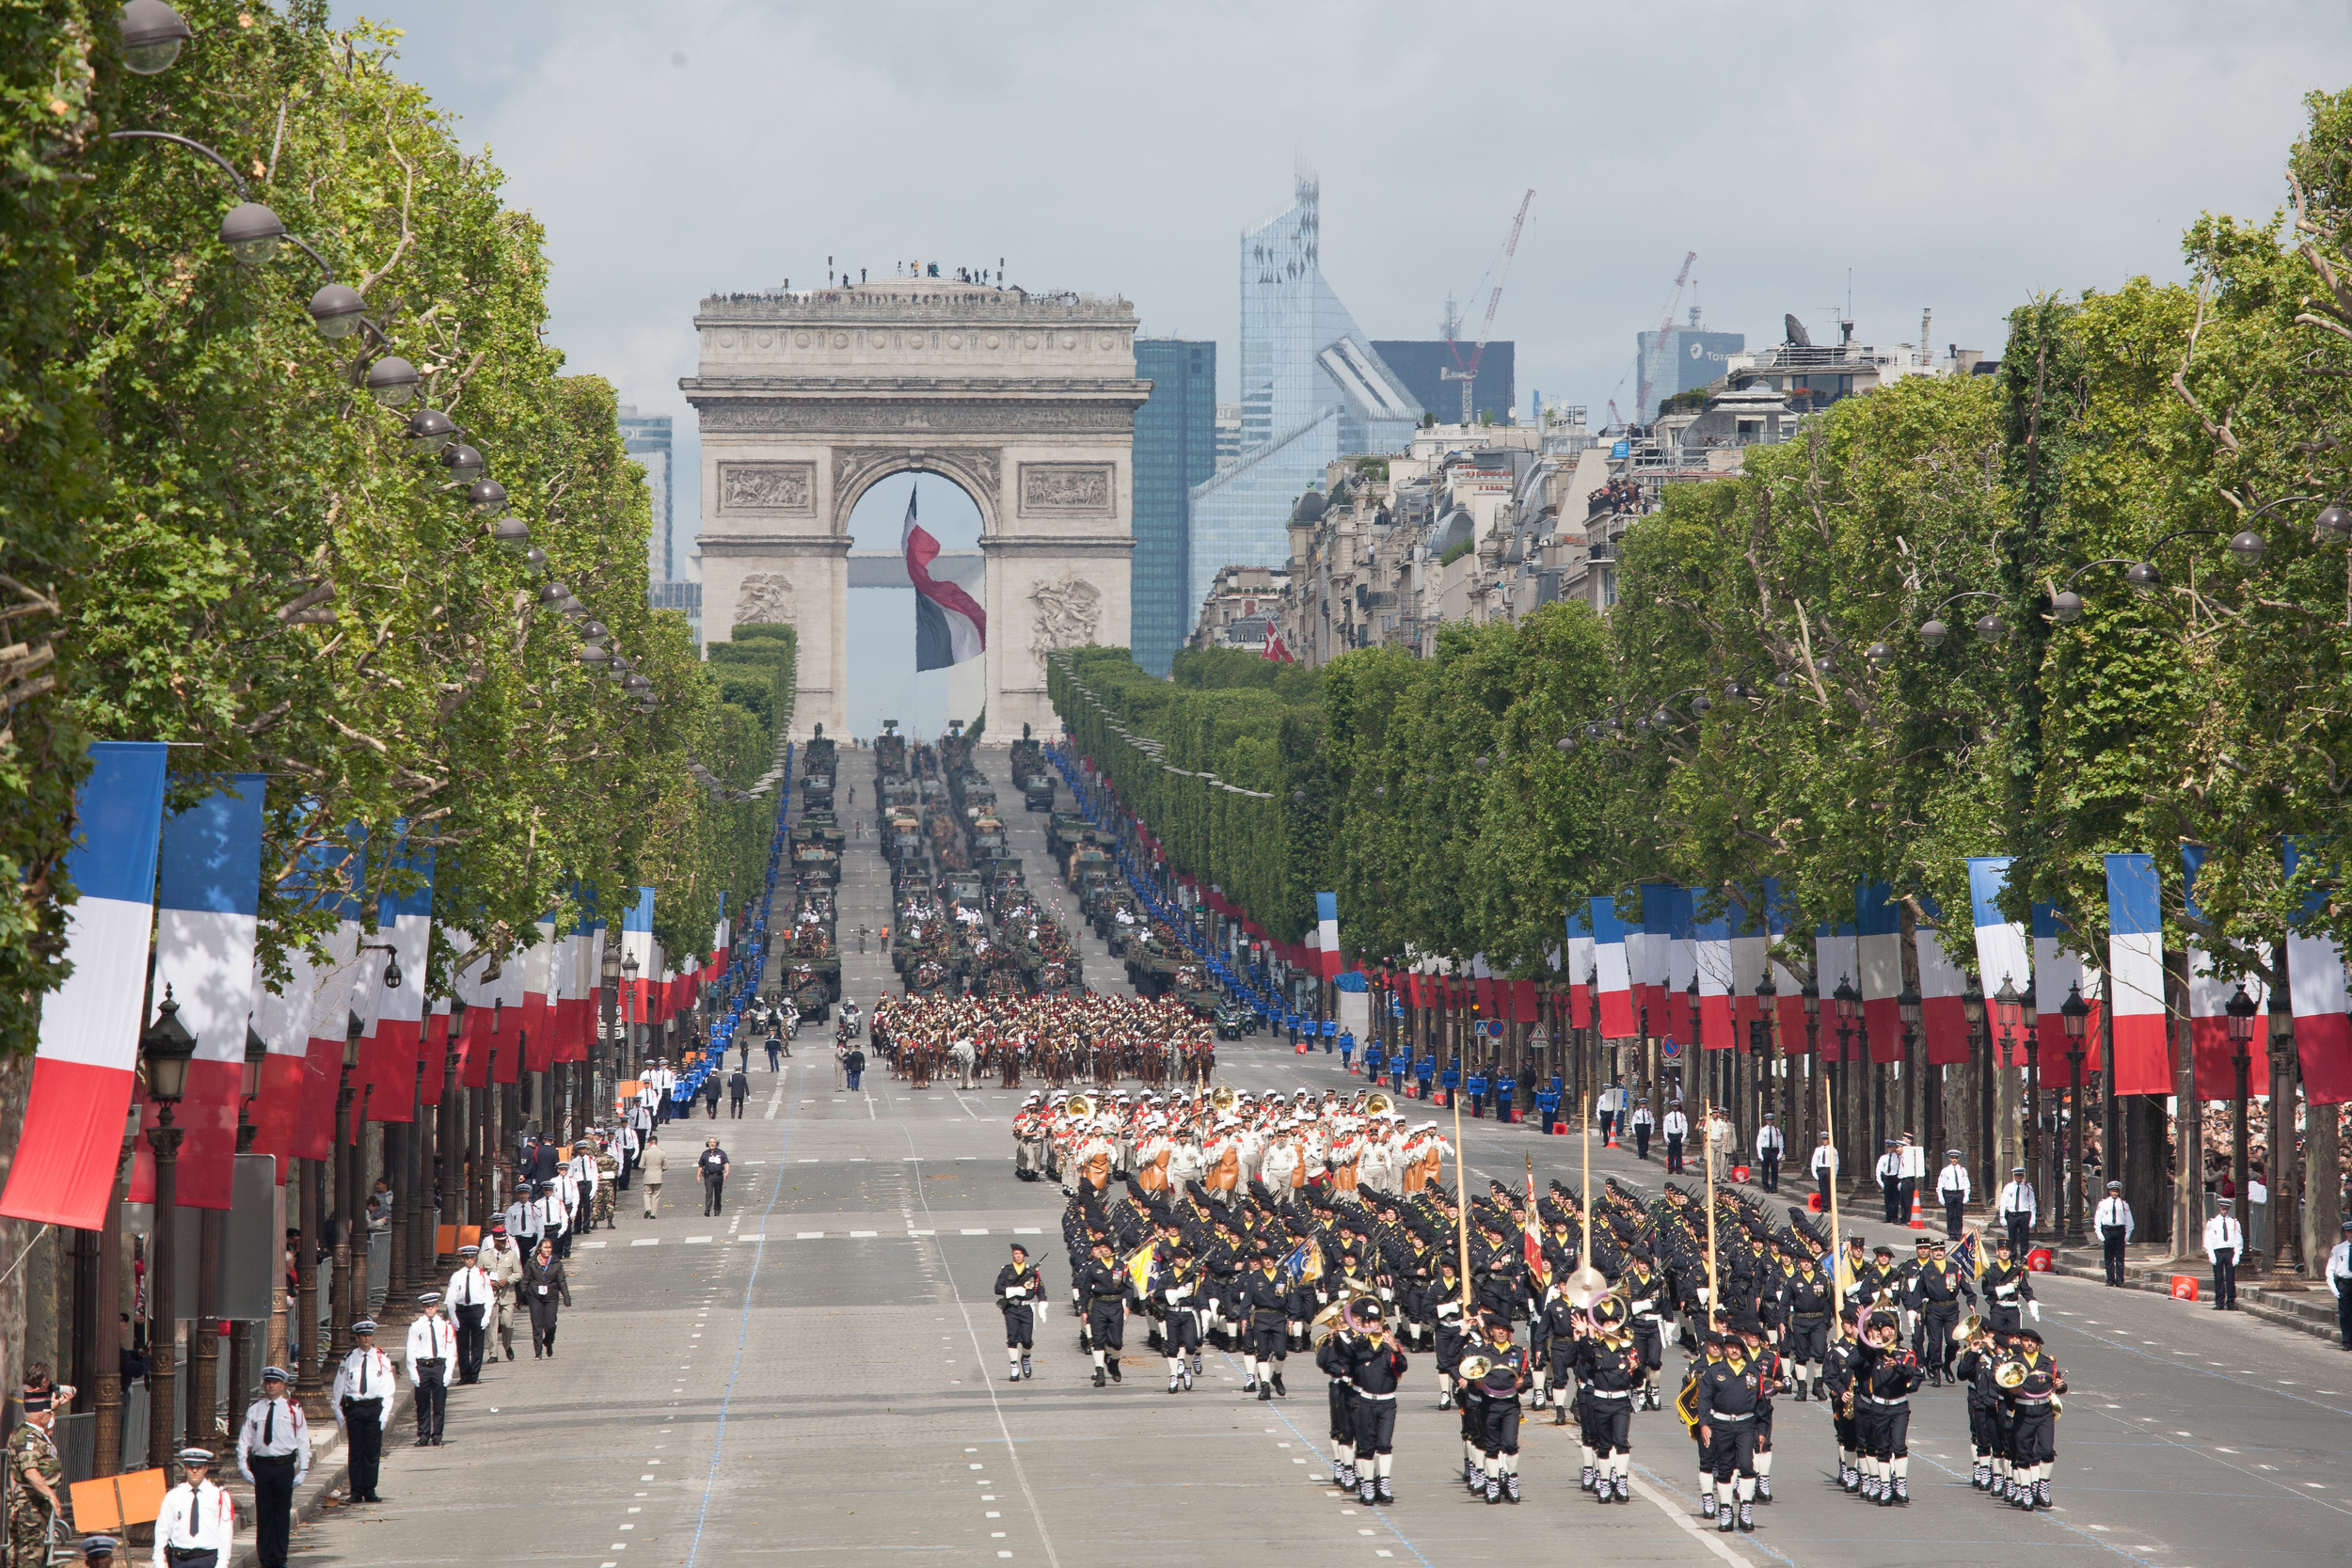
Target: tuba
1377 1104
1970 1330
1222 1097
1079 1107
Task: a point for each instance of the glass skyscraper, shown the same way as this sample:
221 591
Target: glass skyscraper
1175 449
1312 389
647 438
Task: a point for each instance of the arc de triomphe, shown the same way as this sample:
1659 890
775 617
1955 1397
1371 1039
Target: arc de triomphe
808 397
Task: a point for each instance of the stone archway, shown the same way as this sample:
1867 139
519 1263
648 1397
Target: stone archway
807 400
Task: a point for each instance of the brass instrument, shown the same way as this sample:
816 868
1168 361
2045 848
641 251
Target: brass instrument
1377 1104
1078 1106
1342 1312
1473 1367
1222 1097
1583 1288
2009 1374
1971 1329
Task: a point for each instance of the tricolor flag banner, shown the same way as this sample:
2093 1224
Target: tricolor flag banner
722 943
2323 1035
1327 932
506 1003
563 977
281 1018
434 1053
637 942
71 1141
473 1026
1682 966
1579 962
1788 990
1879 952
1612 966
2001 953
2059 970
1646 940
537 962
1835 962
2143 1059
388 1061
1750 944
591 974
208 907
331 1006
1711 954
949 625
2210 988
1942 993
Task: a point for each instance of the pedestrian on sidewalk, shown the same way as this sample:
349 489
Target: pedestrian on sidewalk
655 1164
2113 1221
546 1288
503 1261
710 1096
712 1164
274 1455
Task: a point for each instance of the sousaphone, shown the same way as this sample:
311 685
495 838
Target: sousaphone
1078 1106
1377 1104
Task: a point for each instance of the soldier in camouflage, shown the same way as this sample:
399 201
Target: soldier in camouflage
37 1508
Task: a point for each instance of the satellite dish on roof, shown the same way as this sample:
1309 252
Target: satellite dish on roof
1797 334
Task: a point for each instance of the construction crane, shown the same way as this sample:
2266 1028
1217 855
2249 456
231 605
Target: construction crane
1657 344
1468 374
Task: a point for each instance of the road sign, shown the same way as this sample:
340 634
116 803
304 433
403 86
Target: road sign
1670 1047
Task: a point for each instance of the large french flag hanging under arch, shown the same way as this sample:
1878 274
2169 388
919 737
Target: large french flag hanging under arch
949 625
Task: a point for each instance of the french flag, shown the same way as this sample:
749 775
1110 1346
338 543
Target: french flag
70 1144
1711 955
637 942
2210 989
1942 993
2143 1059
1879 951
331 1009
506 996
434 1053
722 941
589 979
2315 990
1646 944
537 960
1327 932
949 625
2000 944
1613 967
1751 948
1788 990
1833 964
388 1061
2059 972
282 1019
1580 961
208 898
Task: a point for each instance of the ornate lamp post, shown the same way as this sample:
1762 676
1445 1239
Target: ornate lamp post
2075 1013
1849 1008
1692 996
1916 1069
2037 1147
2242 1013
629 1043
168 1048
2282 1173
1810 995
1760 1036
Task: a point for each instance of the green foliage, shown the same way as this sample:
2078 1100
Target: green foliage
1456 551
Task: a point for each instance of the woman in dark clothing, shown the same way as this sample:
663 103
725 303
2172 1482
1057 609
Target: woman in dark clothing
543 1286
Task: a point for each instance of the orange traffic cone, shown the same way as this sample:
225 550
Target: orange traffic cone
1919 1221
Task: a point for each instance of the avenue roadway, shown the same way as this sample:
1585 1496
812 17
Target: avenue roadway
819 1373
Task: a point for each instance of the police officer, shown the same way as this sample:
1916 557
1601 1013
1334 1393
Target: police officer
1890 1175
1824 1166
470 1295
2225 1243
1951 1189
2015 1207
197 1526
2114 1221
2339 1276
1678 1131
1020 1290
432 1346
1770 1143
274 1455
362 1391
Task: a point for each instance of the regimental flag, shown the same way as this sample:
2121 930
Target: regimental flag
2315 990
1968 1252
2210 989
1139 1267
2143 1059
1612 964
2002 957
208 898
1530 1237
949 625
1305 1263
71 1141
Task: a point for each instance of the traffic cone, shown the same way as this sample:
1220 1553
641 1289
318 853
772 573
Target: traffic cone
1919 1221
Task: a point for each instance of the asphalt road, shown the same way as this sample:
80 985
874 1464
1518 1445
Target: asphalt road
819 1373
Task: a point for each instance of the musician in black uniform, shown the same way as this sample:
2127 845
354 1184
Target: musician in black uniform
1988 1467
1725 1402
1885 1375
1444 1303
1499 1412
1019 1287
1379 1367
1710 1355
1937 1283
2032 1401
1805 1336
1336 1359
1837 1379
1262 1303
1609 1366
1645 1316
1471 1340
1106 1289
2008 1288
1551 1335
1173 1283
1771 1378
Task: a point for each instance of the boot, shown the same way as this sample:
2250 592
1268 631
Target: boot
1584 1483
1817 1387
2042 1494
1763 1489
1747 1517
1560 1417
1800 1390
1623 1488
1494 1490
1278 1385
1249 1383
1013 1376
1976 1477
1387 1495
1902 1491
1265 1394
1187 1377
1171 1386
1366 1493
1113 1365
1445 1400
1707 1503
1099 1379
1025 1367
1849 1478
1727 1520
1511 1487
1196 1364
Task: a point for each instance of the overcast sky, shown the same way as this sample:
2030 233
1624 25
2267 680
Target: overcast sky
1955 157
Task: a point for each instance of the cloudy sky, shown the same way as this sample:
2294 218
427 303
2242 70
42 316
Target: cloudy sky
1953 157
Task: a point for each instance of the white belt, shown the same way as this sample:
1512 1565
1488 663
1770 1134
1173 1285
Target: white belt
1361 1395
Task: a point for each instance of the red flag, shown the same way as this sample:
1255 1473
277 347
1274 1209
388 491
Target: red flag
1538 1266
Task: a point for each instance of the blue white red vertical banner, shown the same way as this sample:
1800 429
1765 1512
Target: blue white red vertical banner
1751 945
539 963
2143 1056
87 1056
637 942
1327 934
333 1003
1879 952
208 894
1942 992
1579 956
1613 970
2001 949
283 1014
2060 971
949 625
2211 987
1710 959
386 1084
2315 990
1834 963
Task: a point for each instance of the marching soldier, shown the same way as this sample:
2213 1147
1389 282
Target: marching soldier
1611 1366
1726 1402
198 1527
1805 1335
2007 1288
1499 1412
1936 1286
1988 1466
1179 1330
1336 1359
1380 1367
363 1389
1263 1304
274 1455
1019 1292
2033 1433
1885 1375
1104 1286
35 1509
1646 1320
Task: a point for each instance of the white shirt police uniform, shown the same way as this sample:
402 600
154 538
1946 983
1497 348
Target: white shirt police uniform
2339 1273
196 1518
273 1429
431 1338
2113 1210
1952 1182
2223 1233
365 1374
2017 1199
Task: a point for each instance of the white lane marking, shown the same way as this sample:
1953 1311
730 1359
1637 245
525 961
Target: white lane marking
646 1241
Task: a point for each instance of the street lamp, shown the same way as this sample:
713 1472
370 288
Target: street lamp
2241 1011
1809 997
1907 1008
2075 1013
252 233
336 309
153 34
167 1048
1762 1063
392 381
1972 1004
2009 1005
1848 1006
